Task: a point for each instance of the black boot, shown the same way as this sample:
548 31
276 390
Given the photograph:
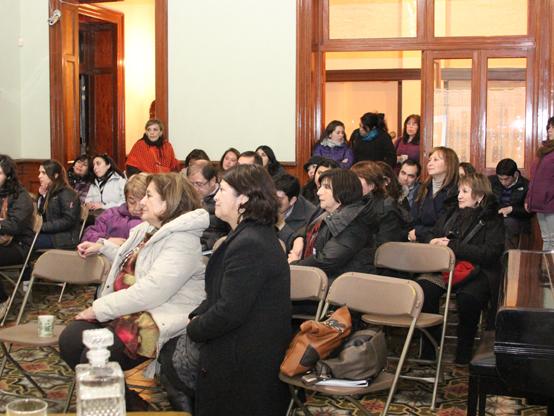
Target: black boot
469 312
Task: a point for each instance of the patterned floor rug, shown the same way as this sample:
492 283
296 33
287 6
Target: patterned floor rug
412 398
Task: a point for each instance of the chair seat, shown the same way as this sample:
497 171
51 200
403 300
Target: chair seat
27 334
425 320
382 382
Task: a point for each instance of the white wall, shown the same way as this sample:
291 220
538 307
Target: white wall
232 75
140 64
24 80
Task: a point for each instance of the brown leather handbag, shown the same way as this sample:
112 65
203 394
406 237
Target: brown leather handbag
315 341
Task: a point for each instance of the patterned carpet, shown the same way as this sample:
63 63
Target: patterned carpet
412 398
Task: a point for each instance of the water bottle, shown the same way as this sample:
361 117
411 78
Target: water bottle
100 384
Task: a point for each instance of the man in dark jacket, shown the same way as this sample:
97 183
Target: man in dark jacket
510 190
203 177
294 209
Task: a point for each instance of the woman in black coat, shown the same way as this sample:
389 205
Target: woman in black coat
475 232
60 208
243 326
341 239
372 141
16 221
437 194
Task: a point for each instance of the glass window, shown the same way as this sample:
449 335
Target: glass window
452 105
358 19
480 17
506 86
373 60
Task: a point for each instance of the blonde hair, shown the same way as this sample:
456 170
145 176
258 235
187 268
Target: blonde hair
136 186
479 184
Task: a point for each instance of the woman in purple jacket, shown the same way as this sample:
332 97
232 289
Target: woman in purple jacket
540 197
407 146
333 145
115 223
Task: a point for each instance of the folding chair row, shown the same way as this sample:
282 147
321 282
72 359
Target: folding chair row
308 283
59 266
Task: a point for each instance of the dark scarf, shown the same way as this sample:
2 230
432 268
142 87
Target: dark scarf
157 143
104 179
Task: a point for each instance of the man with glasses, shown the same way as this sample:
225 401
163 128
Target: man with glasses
203 177
510 189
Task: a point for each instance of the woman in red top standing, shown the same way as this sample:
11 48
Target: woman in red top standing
152 153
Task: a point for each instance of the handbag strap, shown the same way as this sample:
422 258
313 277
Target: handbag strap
473 231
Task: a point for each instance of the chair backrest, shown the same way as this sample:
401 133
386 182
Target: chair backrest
67 266
370 293
37 224
415 257
307 283
84 216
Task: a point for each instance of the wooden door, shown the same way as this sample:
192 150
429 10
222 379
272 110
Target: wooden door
98 76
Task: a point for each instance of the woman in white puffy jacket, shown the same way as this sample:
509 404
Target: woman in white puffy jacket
107 188
156 278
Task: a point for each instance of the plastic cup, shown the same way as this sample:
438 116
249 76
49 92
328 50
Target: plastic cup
26 407
45 326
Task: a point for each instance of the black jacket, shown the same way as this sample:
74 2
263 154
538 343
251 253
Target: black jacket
485 248
61 213
217 227
298 219
244 326
378 149
19 222
344 241
426 212
519 192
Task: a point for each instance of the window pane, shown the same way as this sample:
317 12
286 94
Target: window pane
452 105
357 19
506 86
373 60
480 17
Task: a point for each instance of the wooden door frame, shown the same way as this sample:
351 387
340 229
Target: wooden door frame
57 136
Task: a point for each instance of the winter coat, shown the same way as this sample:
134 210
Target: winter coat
157 157
61 214
540 197
409 149
517 198
169 276
111 195
114 222
336 153
299 217
244 326
378 149
426 212
19 223
217 228
344 241
484 249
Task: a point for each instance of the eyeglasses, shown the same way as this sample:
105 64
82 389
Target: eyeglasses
199 184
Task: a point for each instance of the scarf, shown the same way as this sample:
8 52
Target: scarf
330 143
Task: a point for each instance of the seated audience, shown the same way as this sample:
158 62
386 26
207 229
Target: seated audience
16 222
294 210
229 159
152 153
106 190
333 145
204 179
475 233
80 176
250 158
115 223
391 220
392 185
407 146
540 198
372 141
466 168
341 239
309 191
60 208
408 177
244 324
510 189
311 165
156 278
437 194
269 161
